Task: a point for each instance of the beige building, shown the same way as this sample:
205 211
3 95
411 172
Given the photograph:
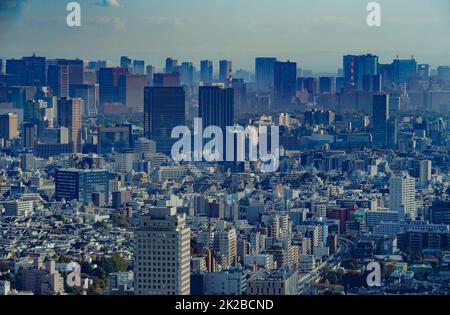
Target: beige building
43 278
225 244
69 116
162 253
8 126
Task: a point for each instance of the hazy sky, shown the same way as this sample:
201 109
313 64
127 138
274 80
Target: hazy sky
314 33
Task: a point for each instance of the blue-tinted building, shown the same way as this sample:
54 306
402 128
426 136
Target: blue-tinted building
76 184
206 72
356 67
265 74
285 82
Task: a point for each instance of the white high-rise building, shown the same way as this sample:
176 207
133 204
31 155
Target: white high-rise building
162 251
402 196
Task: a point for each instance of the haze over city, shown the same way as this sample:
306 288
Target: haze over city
315 34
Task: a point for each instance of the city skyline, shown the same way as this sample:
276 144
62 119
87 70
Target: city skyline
314 35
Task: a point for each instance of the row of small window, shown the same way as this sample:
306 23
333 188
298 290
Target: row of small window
158 287
156 247
153 254
158 281
156 238
157 270
156 264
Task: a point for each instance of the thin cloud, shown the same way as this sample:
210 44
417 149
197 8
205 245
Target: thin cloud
109 3
11 6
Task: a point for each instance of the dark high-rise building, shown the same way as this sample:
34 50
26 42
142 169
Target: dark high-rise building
75 69
404 70
171 65
206 72
69 116
380 117
265 74
392 133
125 62
327 85
75 184
240 94
216 106
109 84
58 80
423 71
29 135
88 94
30 71
440 212
138 67
114 139
372 83
164 109
285 82
355 67
150 71
166 79
443 73
186 71
225 72
8 126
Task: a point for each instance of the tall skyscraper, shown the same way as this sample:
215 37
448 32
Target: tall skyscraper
187 73
75 68
171 65
225 72
29 135
88 93
285 82
327 85
131 91
391 133
8 126
422 170
126 62
372 83
164 109
138 67
380 116
69 116
265 74
402 196
443 73
30 71
404 69
150 71
240 94
216 106
355 67
58 80
225 244
162 254
166 79
109 84
206 72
